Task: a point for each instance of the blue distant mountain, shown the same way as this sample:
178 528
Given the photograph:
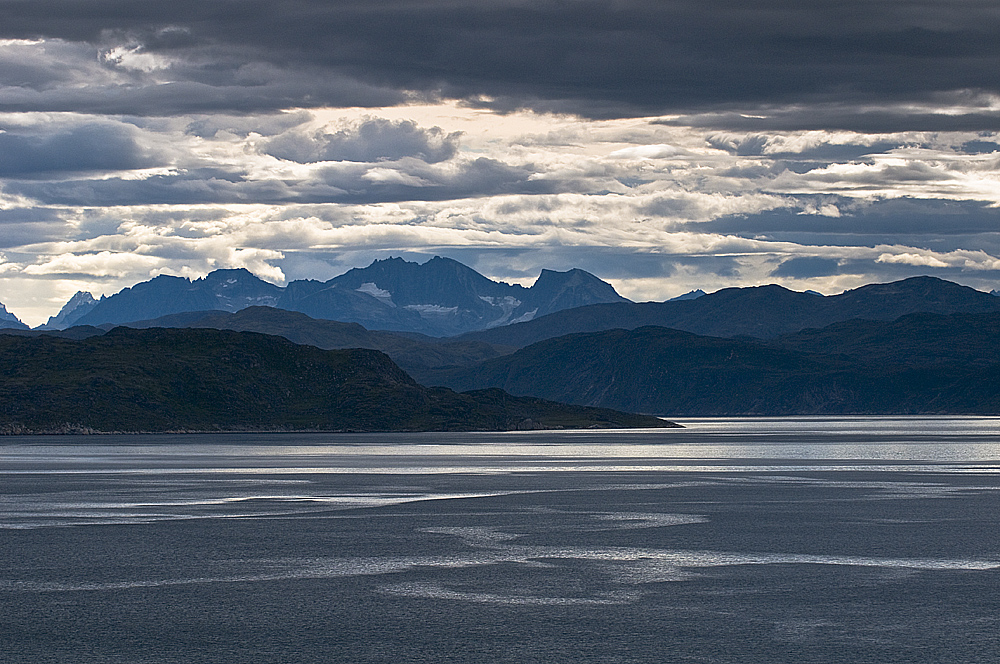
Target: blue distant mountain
78 306
441 297
690 295
9 320
760 311
225 290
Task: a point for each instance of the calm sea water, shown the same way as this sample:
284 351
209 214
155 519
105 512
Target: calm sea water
767 540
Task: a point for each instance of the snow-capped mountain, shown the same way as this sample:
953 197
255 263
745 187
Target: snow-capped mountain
78 306
441 297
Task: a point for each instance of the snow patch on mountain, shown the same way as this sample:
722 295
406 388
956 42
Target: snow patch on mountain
370 288
507 305
524 318
431 310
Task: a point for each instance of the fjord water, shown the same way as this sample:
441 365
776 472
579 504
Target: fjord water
768 540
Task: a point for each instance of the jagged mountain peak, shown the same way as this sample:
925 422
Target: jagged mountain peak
81 297
77 307
238 288
222 274
572 276
449 296
555 291
396 274
9 320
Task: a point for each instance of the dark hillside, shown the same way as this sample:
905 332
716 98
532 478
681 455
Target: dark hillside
859 367
912 339
412 352
211 380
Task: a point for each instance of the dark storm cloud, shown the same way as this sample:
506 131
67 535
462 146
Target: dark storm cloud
376 139
878 222
25 226
670 206
811 267
925 225
178 97
754 145
980 147
805 267
91 147
196 186
626 57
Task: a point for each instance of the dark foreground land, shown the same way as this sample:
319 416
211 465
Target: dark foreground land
521 549
178 380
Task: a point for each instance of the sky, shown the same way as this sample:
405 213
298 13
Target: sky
663 145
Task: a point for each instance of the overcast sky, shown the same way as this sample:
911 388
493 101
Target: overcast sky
663 145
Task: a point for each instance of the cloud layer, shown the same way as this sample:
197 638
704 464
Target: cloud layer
665 146
602 59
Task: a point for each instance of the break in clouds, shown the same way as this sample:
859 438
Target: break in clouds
664 146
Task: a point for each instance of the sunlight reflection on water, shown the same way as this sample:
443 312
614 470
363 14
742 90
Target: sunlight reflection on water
853 438
169 477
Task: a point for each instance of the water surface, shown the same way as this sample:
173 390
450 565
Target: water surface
765 540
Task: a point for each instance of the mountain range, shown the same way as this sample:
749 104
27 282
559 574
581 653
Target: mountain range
915 346
444 298
762 311
917 364
441 297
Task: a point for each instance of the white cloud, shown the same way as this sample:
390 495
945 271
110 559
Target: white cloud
976 260
647 152
390 176
911 259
